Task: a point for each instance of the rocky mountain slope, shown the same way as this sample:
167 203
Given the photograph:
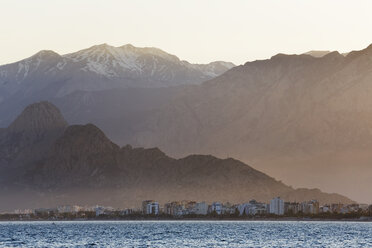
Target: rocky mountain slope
82 166
305 120
302 119
29 136
317 53
47 75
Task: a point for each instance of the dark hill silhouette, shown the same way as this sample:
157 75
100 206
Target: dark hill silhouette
81 165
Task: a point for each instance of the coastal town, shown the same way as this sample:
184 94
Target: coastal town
276 208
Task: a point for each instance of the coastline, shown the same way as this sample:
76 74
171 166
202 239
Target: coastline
284 219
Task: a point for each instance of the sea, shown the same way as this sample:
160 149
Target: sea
185 234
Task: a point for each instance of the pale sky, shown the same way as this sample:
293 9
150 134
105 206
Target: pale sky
199 31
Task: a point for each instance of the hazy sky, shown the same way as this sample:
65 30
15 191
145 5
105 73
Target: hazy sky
199 31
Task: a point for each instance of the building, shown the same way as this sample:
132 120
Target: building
127 211
228 208
363 207
150 207
45 211
355 208
189 205
310 207
325 209
291 208
201 208
252 208
185 208
168 208
259 208
336 207
23 211
242 208
277 206
344 210
174 208
216 207
99 210
69 209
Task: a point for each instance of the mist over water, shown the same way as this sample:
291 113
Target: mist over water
185 234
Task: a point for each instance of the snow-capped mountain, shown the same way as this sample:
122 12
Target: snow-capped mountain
300 118
48 75
104 67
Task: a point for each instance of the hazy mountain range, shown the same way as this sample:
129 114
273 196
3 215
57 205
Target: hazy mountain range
45 162
303 119
48 75
320 53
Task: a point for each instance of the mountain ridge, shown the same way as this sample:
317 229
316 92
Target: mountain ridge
47 75
291 115
286 114
125 56
83 159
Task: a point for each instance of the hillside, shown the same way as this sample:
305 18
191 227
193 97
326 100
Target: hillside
82 166
299 118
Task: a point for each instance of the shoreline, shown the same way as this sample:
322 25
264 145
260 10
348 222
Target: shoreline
367 219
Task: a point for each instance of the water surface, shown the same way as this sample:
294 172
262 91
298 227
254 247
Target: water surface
185 234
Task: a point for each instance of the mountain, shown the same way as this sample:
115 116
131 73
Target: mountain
317 53
82 166
48 75
302 119
29 135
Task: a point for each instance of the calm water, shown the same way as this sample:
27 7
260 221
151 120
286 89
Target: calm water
185 234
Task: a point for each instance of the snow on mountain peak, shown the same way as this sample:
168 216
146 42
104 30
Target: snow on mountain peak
32 64
107 60
105 66
110 61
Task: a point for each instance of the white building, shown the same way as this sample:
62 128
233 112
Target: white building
310 207
99 210
23 211
127 211
68 209
242 207
216 206
201 208
150 207
325 209
277 206
252 208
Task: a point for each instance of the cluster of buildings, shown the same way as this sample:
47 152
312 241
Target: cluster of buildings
186 208
68 209
276 206
183 208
